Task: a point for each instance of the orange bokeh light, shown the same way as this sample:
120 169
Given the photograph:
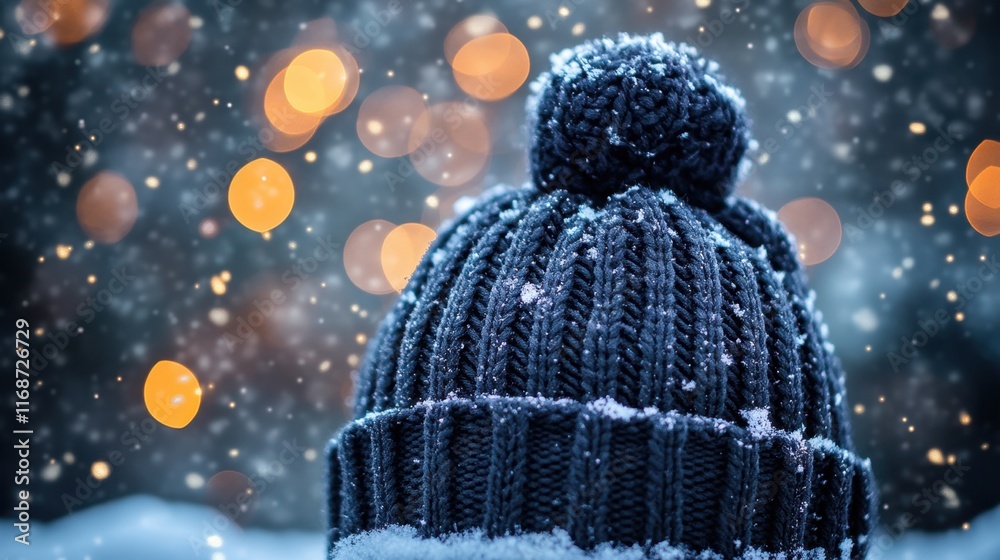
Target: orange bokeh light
468 29
986 154
261 195
390 121
986 187
457 145
363 258
352 81
66 22
816 227
491 67
282 115
402 251
280 142
172 394
107 207
161 34
982 218
314 81
883 8
831 35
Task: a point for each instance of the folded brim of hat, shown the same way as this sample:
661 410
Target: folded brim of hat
601 476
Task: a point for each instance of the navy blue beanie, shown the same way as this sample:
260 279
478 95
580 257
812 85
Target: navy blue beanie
619 360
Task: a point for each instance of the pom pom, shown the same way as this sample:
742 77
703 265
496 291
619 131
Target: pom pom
638 111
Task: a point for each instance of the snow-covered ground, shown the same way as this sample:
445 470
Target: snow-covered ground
152 529
148 528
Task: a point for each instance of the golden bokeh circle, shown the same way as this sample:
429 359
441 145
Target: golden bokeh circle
491 67
261 195
314 81
363 257
457 144
883 8
107 207
831 35
402 251
981 217
472 27
161 34
815 226
391 121
172 394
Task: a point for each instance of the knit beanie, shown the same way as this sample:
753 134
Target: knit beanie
619 360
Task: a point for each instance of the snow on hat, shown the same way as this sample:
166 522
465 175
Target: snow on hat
619 360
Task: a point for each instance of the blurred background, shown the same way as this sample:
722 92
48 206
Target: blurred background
207 206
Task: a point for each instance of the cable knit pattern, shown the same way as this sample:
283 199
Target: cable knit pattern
630 358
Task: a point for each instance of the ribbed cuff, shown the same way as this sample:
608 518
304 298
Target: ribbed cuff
601 472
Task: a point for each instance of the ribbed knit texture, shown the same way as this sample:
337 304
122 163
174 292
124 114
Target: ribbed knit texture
633 364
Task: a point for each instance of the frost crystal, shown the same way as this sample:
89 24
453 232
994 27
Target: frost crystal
530 293
758 422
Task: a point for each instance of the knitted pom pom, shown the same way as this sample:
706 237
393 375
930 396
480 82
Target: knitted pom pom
637 111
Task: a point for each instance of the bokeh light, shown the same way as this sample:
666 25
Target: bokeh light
161 34
283 116
233 491
982 201
952 25
981 217
491 67
986 154
470 28
261 195
402 250
291 126
883 8
457 145
363 259
831 35
352 80
172 394
107 207
66 22
314 81
280 142
208 228
100 470
816 227
986 187
390 122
